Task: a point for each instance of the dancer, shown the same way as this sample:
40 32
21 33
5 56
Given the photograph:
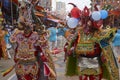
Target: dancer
31 59
89 53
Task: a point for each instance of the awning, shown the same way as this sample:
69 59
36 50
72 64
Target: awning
42 15
114 12
39 14
54 20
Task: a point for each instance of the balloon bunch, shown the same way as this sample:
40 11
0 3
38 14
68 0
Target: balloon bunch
97 15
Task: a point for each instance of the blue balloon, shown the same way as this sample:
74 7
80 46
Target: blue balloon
104 14
96 15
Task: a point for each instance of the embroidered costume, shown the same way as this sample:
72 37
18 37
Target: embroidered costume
92 55
32 61
26 64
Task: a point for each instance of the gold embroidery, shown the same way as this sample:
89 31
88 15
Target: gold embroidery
85 47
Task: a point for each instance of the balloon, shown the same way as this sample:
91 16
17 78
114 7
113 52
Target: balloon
96 15
72 22
104 14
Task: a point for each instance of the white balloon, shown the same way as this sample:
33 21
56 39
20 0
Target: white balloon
72 22
96 15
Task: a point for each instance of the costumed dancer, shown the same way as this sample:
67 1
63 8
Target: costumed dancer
90 55
28 53
26 65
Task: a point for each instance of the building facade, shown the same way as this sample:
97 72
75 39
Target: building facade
61 9
47 4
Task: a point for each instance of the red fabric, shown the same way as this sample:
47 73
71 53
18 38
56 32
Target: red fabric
56 51
75 12
65 50
28 77
103 59
46 70
91 77
43 57
86 78
100 76
97 24
80 77
65 47
40 51
83 77
96 52
1 51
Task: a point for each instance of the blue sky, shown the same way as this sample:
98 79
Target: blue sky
79 3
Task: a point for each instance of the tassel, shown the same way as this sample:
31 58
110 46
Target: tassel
5 72
48 70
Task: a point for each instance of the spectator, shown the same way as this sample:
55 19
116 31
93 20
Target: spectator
52 37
